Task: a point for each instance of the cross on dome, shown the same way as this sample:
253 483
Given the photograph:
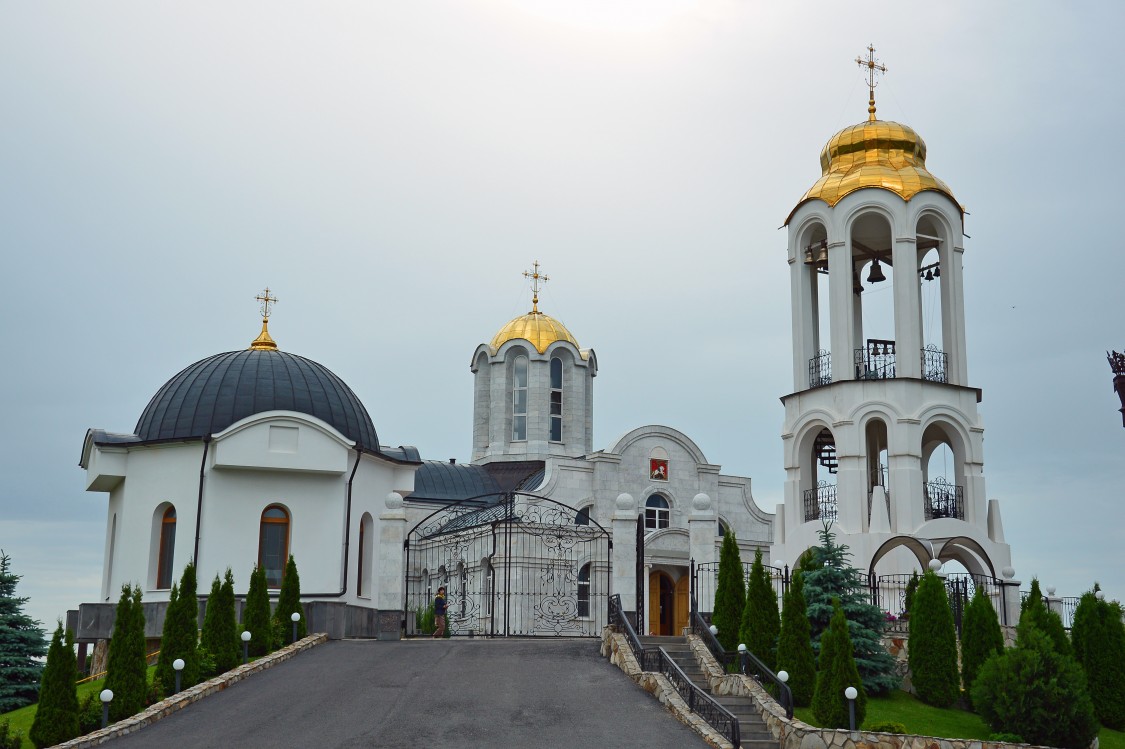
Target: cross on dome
266 301
873 66
536 278
264 341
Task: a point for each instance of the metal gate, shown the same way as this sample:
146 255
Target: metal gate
512 564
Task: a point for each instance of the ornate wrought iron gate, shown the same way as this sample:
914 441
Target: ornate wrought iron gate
512 565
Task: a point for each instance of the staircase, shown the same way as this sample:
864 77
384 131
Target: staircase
751 727
825 450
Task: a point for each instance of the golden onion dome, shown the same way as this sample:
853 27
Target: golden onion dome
536 328
875 153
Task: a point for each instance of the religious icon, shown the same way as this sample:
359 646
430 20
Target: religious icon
658 469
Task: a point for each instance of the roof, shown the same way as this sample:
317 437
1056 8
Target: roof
445 482
536 328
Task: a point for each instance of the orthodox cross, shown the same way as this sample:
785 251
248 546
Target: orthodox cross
266 301
873 66
536 278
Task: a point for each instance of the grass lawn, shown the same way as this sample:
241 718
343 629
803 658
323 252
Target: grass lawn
951 723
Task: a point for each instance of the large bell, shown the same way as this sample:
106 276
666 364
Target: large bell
820 256
876 274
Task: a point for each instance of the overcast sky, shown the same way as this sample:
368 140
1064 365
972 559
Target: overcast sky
389 170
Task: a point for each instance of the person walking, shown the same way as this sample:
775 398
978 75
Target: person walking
439 613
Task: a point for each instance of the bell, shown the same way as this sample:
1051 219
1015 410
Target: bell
857 287
876 274
809 256
929 275
822 254
937 272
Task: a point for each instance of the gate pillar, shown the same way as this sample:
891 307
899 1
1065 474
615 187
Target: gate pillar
390 570
702 530
624 562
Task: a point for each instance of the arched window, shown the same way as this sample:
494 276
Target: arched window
583 516
167 552
657 514
519 399
463 573
556 399
362 579
722 528
584 590
490 581
273 544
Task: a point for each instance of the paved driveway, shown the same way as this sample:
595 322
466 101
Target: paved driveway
427 693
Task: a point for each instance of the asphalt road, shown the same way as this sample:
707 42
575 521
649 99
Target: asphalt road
429 693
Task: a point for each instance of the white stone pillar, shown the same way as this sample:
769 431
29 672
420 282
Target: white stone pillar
1009 598
953 314
389 569
851 494
841 305
805 314
625 552
905 479
702 530
908 308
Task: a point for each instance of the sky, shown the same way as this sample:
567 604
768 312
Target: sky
390 169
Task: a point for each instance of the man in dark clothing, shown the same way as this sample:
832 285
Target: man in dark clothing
439 613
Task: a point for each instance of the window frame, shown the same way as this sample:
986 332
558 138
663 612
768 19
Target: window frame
555 402
657 516
520 366
166 550
262 525
583 591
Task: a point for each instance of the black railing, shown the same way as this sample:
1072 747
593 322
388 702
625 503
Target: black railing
820 369
698 701
701 628
889 594
754 668
1069 606
876 361
618 618
820 503
944 500
934 364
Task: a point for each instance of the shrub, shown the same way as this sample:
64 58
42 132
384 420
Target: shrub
911 588
1098 637
180 638
127 670
730 593
21 642
9 740
760 621
1013 738
220 630
933 644
89 713
1034 689
256 614
288 602
424 619
837 672
887 726
980 638
794 644
56 718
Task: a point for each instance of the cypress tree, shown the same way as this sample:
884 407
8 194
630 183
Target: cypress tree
836 673
981 638
1098 637
256 614
220 630
289 601
56 717
1034 610
127 670
180 636
761 622
794 646
22 643
207 635
834 578
933 644
730 593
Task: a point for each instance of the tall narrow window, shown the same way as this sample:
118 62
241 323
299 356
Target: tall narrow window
519 399
584 590
273 544
366 537
167 549
657 514
359 568
556 399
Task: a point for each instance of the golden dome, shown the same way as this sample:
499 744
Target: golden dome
876 153
536 328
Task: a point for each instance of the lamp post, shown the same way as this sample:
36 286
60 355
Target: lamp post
295 617
851 693
106 697
1117 364
245 648
742 658
783 677
178 666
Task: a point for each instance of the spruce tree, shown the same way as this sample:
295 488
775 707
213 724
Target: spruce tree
836 673
22 643
794 646
933 644
289 601
127 670
180 636
56 717
761 622
834 578
256 614
981 638
730 593
1098 637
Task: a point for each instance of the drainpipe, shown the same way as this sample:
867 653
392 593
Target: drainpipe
199 502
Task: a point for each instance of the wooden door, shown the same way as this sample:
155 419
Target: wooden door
681 607
653 621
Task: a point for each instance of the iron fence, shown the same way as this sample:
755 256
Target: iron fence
876 361
934 364
943 500
820 369
820 503
705 582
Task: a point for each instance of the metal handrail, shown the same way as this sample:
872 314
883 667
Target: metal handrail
761 669
698 701
699 627
617 616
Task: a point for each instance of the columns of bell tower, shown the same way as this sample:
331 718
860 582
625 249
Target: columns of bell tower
908 308
806 316
953 313
842 306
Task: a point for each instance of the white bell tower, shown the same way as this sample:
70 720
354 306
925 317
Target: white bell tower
882 434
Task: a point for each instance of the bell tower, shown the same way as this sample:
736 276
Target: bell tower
882 436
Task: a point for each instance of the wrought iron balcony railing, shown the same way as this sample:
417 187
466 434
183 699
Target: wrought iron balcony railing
944 500
935 364
876 361
820 369
820 503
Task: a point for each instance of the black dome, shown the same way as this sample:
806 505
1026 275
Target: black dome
214 393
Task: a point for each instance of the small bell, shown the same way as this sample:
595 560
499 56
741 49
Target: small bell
929 275
937 272
876 274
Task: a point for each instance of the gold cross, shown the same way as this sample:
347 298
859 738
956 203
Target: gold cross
536 277
873 66
266 301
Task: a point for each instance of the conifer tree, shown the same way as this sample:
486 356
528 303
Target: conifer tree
794 646
22 643
56 717
761 622
981 638
220 630
834 578
933 644
289 601
730 593
210 623
1035 610
1098 637
256 614
181 635
837 672
127 670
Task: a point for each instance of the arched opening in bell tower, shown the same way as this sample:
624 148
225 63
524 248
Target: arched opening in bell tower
943 493
934 307
873 280
877 462
814 258
819 465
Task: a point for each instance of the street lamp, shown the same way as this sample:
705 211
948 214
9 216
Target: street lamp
106 697
245 648
178 665
851 693
295 617
742 657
